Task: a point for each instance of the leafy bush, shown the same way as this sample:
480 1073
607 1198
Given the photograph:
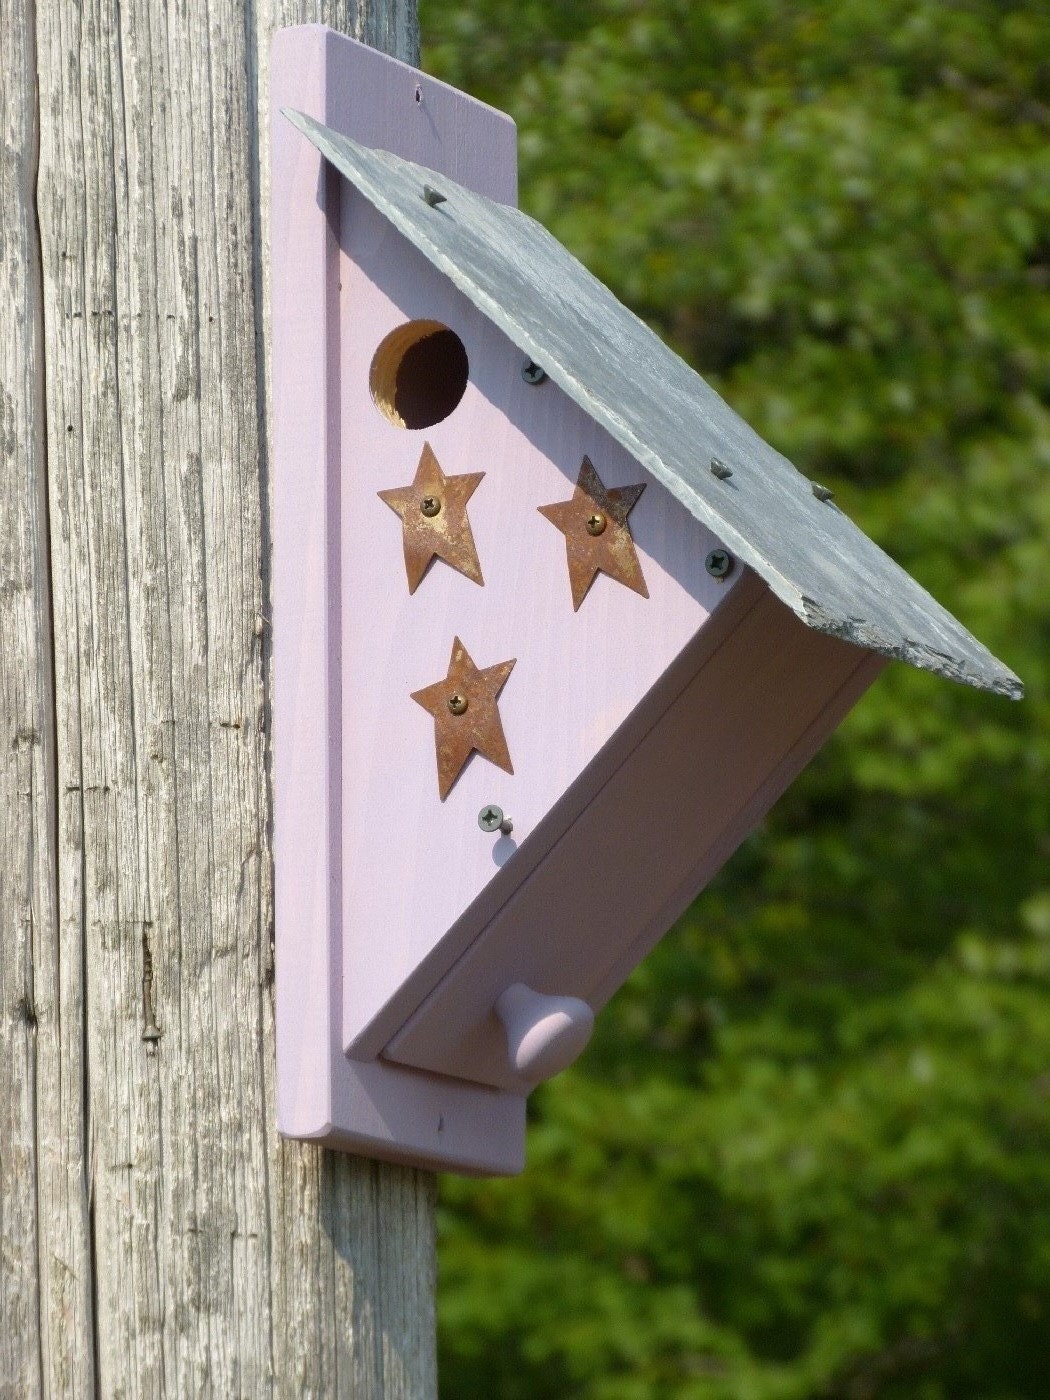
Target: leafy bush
808 1153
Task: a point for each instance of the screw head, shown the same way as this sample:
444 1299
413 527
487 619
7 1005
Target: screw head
458 703
491 819
719 563
430 506
532 374
596 523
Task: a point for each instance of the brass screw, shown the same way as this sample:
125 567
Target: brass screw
430 506
596 523
457 703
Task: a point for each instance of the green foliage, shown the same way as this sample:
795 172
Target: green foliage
808 1153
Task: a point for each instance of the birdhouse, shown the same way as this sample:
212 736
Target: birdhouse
553 627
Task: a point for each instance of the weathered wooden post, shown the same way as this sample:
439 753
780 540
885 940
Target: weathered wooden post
156 1236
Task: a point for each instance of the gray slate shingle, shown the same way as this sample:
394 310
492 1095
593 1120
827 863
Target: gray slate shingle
812 556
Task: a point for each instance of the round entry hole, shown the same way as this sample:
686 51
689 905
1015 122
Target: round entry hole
419 374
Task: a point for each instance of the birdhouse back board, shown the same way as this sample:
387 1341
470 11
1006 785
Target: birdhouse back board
365 1106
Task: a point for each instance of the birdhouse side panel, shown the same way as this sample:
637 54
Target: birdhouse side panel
761 702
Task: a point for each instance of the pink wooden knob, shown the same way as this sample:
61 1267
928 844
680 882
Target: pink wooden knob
544 1034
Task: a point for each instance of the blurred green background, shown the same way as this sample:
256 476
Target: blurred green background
808 1153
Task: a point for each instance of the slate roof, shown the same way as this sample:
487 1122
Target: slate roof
812 556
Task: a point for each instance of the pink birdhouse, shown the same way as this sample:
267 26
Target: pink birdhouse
553 627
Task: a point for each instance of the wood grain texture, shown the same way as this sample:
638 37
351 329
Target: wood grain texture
156 1237
27 1002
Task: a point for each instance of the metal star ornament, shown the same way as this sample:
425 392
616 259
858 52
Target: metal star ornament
597 536
466 716
434 519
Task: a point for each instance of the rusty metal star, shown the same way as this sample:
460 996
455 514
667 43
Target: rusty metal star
433 513
597 536
466 716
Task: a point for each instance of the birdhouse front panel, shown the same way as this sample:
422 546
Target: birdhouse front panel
503 556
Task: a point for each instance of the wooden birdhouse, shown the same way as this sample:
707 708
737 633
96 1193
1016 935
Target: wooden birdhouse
553 627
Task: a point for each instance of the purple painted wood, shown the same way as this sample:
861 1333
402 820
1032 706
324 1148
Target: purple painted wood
765 693
372 1108
544 1034
414 864
648 734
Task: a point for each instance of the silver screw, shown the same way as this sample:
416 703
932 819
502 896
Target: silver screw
532 374
719 563
491 819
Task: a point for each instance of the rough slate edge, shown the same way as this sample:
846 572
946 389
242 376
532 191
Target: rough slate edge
821 565
386 1112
